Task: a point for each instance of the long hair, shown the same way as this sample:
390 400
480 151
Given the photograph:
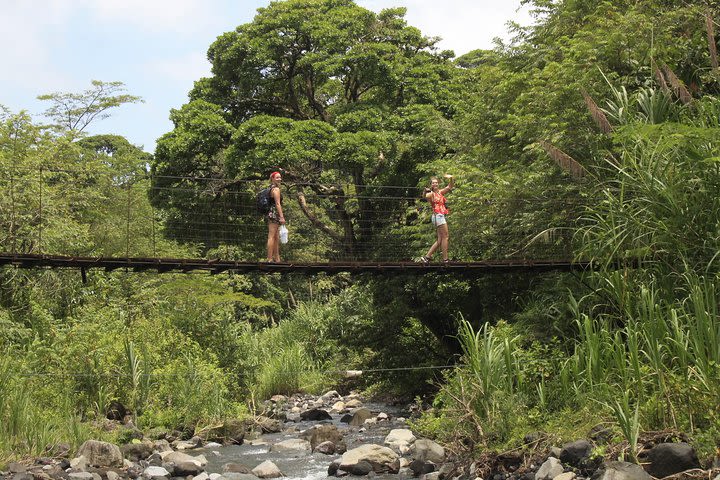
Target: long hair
428 188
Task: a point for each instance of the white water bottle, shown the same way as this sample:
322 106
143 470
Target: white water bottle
283 234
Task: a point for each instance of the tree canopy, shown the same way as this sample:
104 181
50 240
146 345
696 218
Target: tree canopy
338 97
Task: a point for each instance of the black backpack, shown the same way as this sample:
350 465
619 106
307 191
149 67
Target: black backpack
264 201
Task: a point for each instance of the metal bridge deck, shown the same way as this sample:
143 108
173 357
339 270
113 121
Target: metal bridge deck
162 265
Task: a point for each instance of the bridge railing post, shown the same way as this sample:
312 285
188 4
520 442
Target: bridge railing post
128 209
41 181
153 219
13 220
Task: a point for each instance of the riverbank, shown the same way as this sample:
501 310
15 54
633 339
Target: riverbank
307 437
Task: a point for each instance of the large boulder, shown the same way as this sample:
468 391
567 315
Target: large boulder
670 458
232 431
179 457
359 416
550 469
421 467
137 451
576 453
315 415
621 471
77 464
382 459
268 425
155 472
101 454
187 468
194 442
292 444
162 446
428 451
400 439
326 448
363 467
322 433
267 469
331 395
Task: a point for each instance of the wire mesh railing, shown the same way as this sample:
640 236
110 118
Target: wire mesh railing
47 211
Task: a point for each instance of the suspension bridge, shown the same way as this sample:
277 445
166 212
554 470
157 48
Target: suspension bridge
62 218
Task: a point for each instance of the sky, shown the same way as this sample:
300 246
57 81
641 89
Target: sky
157 48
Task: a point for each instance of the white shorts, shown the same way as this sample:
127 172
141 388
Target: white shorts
438 219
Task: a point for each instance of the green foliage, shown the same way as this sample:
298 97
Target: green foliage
649 206
342 99
73 112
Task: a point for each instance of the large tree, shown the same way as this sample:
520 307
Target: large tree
344 100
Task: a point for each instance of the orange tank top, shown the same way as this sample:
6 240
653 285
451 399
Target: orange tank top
438 203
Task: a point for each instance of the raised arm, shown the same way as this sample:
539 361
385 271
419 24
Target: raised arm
450 185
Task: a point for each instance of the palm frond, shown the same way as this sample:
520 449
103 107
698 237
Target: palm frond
548 236
661 81
565 161
678 86
597 114
710 28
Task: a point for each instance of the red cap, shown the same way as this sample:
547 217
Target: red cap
273 174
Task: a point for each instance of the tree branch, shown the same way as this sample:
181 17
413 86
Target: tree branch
300 195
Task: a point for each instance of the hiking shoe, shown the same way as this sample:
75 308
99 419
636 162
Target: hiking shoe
424 260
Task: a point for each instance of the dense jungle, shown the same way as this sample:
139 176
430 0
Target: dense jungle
597 128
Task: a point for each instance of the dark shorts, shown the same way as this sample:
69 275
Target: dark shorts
272 216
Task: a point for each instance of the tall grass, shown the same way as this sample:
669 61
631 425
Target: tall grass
28 426
282 372
629 422
291 356
138 371
659 369
491 360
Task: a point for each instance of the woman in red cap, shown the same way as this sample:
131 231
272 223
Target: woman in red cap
274 218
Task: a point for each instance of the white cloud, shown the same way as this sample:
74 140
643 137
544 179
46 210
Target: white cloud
25 53
463 25
187 68
182 17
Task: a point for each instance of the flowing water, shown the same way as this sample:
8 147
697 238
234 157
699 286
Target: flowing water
297 464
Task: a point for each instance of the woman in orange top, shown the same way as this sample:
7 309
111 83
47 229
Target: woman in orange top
436 196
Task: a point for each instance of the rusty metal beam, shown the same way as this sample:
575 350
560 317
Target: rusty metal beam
216 265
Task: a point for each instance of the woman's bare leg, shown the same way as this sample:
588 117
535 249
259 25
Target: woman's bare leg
444 239
435 245
276 253
272 240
